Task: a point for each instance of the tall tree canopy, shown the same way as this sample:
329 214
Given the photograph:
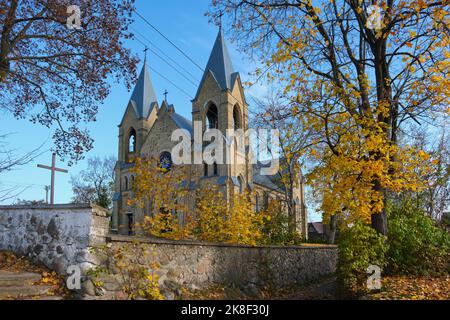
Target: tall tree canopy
357 72
56 75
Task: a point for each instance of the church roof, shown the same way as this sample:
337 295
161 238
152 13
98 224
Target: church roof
143 98
220 65
270 182
182 122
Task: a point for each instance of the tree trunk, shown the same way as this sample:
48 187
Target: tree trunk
332 226
379 219
379 222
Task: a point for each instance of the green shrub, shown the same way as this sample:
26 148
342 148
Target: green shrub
359 247
417 245
275 229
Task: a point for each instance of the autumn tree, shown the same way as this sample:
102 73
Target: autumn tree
161 192
233 221
95 184
56 72
357 73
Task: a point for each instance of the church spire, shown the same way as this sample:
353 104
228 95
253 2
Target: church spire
143 97
219 64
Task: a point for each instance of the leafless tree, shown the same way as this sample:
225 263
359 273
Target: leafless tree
275 112
57 75
95 184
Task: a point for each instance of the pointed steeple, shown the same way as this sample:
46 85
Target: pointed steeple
143 97
219 64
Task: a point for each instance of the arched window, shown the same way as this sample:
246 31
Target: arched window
215 169
130 223
212 117
241 184
132 181
125 183
266 200
165 161
257 204
132 141
237 123
205 169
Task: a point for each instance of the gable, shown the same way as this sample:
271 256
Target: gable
237 90
208 87
159 137
129 115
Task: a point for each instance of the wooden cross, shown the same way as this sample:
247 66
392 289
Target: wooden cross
53 169
145 52
165 95
220 15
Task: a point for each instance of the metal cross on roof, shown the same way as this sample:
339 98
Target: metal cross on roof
145 52
53 169
220 15
165 94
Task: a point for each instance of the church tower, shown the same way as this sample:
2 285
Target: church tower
139 117
220 104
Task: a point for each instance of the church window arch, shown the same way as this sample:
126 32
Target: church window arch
241 184
212 117
215 169
257 203
125 183
265 200
237 120
132 141
205 169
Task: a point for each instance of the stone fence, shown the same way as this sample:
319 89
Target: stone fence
192 265
62 235
55 235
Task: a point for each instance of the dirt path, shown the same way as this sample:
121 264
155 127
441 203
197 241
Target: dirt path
325 289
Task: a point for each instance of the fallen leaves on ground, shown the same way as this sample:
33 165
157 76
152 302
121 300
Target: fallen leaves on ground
414 288
12 263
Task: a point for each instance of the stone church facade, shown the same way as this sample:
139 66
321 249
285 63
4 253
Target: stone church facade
146 130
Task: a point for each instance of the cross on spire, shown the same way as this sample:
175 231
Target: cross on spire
145 52
165 94
53 169
220 15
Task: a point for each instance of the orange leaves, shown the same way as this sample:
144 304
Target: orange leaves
413 288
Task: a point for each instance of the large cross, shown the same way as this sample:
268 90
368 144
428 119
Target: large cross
165 95
220 15
145 52
53 169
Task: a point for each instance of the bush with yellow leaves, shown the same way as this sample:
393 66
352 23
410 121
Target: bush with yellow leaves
216 220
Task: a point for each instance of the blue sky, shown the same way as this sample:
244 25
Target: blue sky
184 23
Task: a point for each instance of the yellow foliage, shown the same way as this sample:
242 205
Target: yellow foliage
213 219
234 222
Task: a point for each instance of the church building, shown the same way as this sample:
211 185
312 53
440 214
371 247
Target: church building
147 126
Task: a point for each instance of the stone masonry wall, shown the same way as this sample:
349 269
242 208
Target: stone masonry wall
62 235
56 236
194 265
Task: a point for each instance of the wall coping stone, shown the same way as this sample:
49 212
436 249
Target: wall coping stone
154 240
100 211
